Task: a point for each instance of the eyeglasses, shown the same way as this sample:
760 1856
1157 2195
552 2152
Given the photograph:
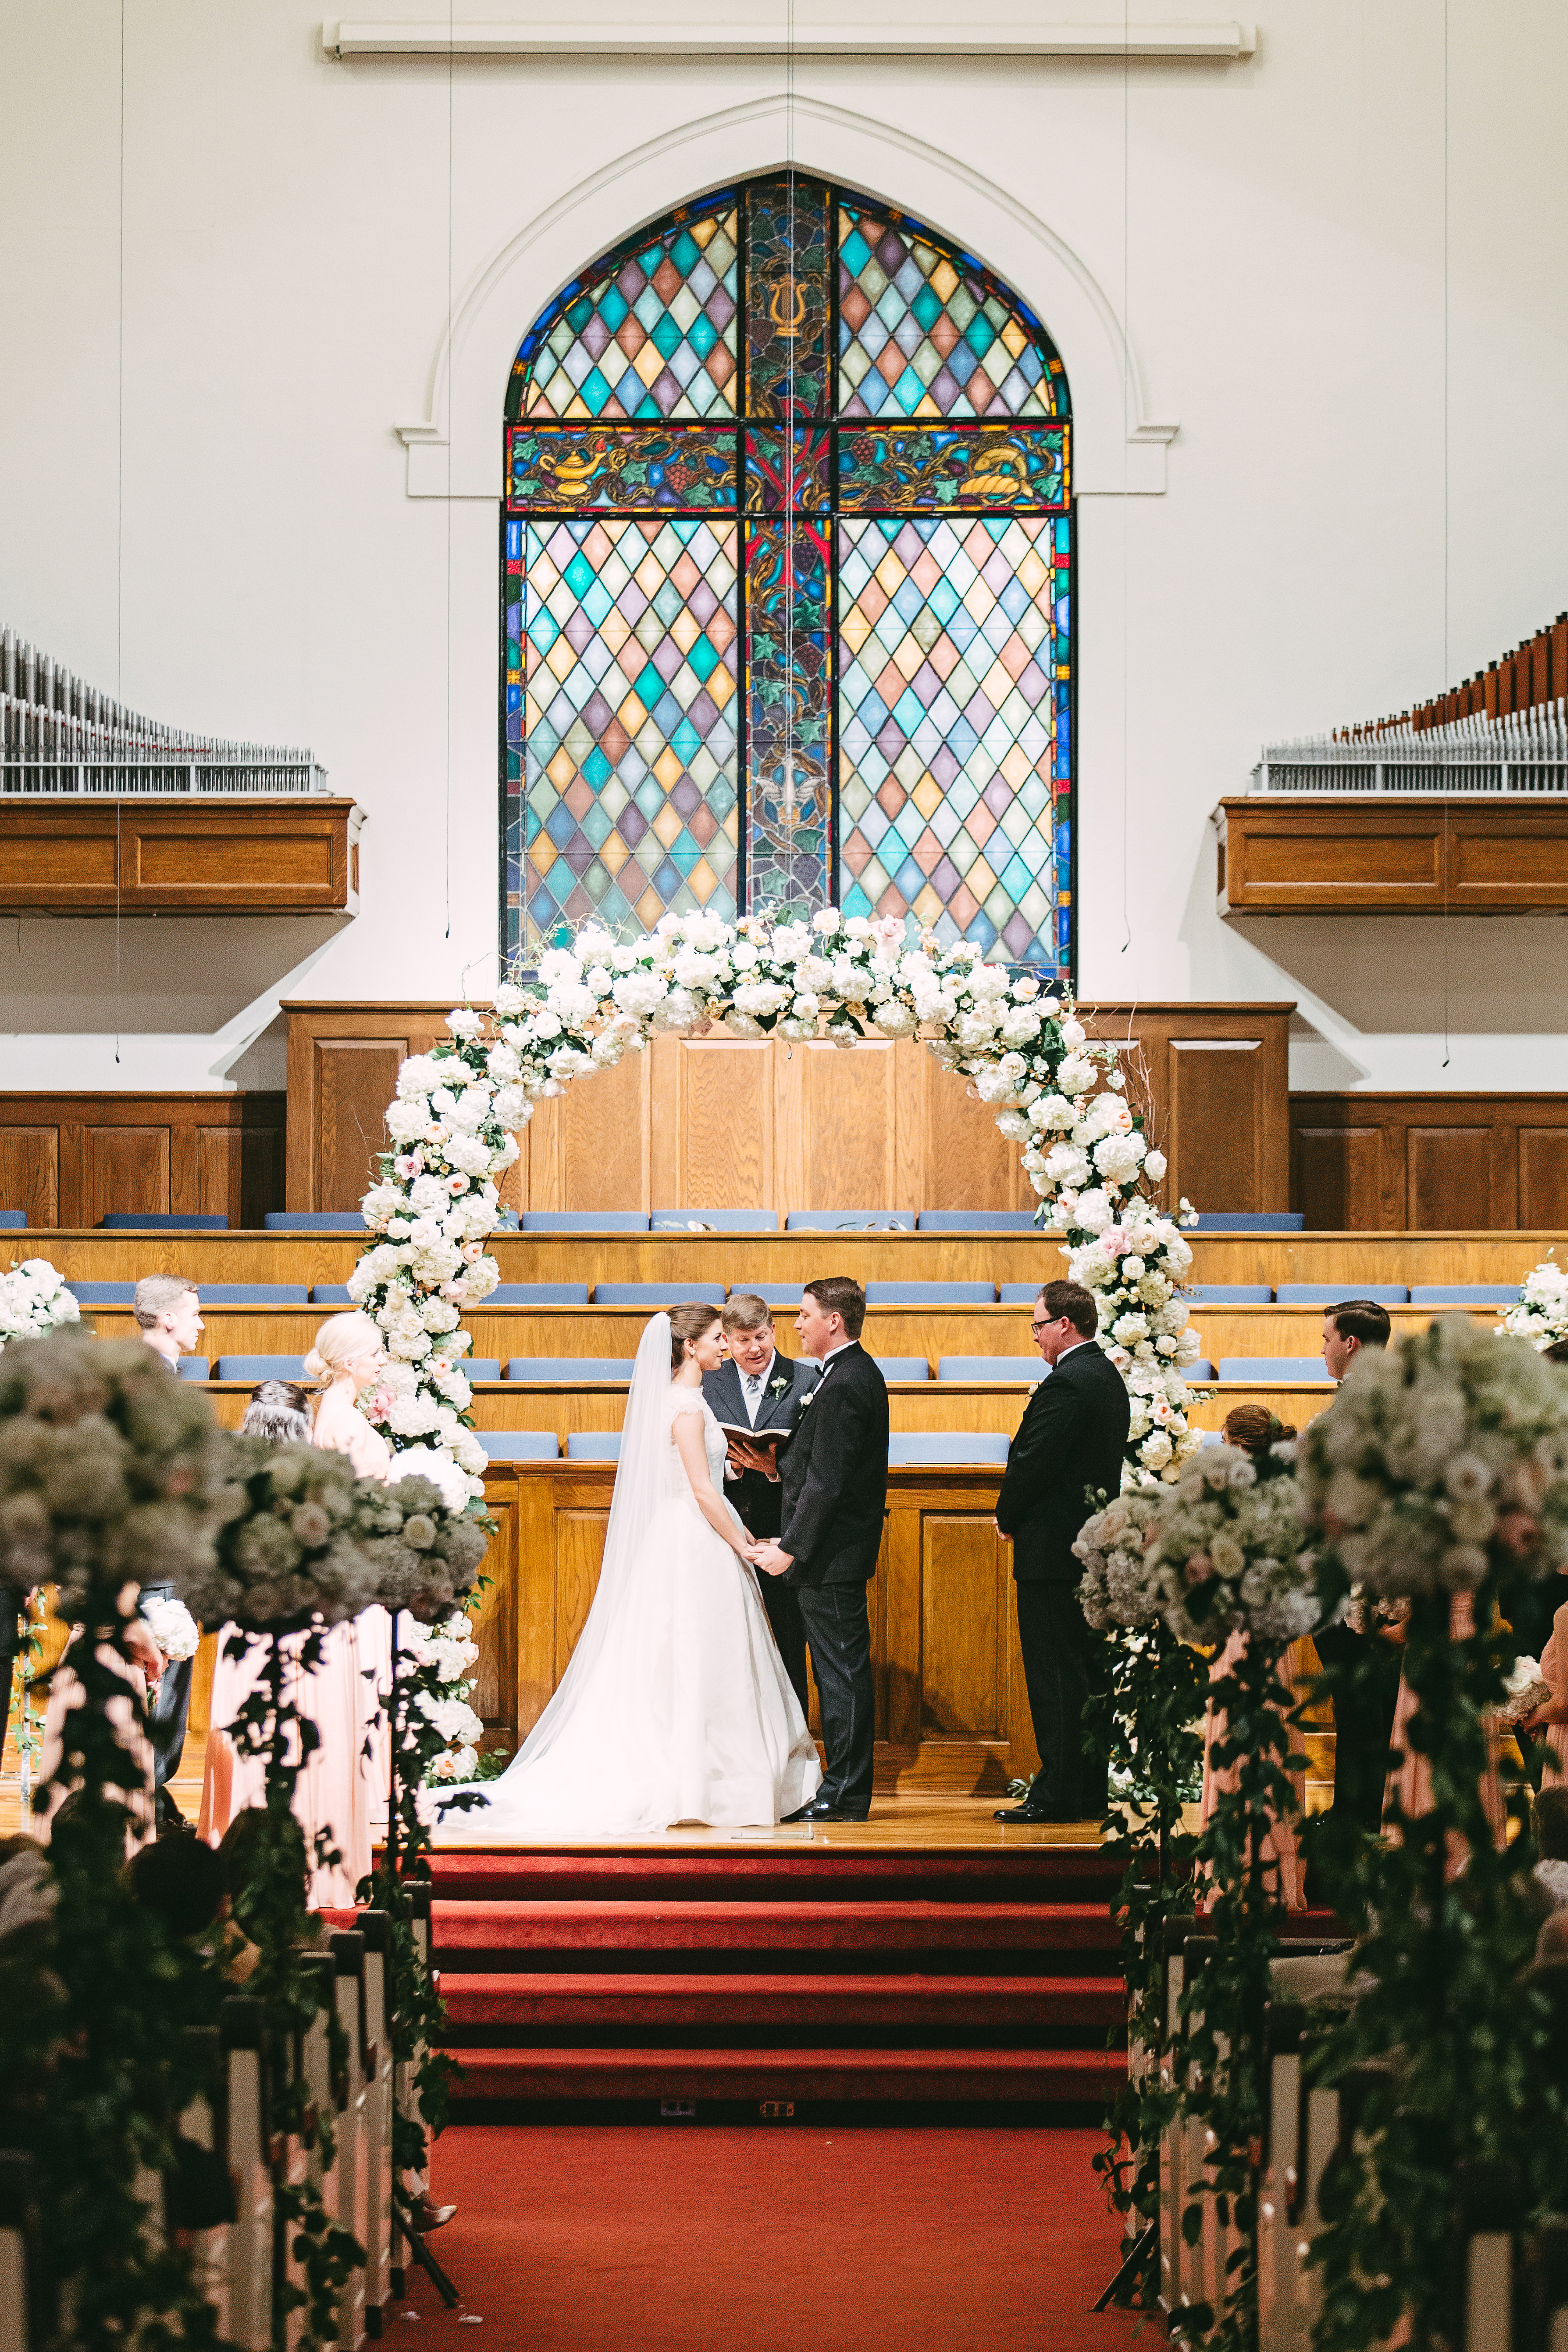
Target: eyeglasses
1036 1328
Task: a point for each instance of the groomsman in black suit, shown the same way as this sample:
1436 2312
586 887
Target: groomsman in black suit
1363 1716
834 1495
758 1386
1069 1446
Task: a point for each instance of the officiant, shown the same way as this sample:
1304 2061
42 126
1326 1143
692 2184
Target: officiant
756 1388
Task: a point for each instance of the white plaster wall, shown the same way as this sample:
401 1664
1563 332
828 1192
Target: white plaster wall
222 524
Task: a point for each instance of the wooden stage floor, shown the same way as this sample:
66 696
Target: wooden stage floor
914 1824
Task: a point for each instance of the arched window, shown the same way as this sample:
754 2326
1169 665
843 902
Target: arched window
787 592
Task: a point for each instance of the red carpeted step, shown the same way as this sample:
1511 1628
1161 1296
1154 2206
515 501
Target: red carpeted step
823 1926
582 2002
1055 2076
810 1873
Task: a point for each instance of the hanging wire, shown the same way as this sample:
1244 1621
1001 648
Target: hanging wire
119 518
451 425
1445 669
1126 401
787 437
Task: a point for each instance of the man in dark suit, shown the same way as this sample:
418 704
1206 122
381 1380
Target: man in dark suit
757 1387
835 1494
1363 1710
1069 1446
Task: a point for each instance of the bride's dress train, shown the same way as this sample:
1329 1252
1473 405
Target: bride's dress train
675 1705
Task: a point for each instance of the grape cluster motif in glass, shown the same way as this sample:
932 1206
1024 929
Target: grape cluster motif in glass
628 720
835 661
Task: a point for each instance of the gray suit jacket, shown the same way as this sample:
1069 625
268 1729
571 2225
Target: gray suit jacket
759 1500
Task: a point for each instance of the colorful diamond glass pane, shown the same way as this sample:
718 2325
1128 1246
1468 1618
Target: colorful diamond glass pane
653 335
923 330
948 715
627 723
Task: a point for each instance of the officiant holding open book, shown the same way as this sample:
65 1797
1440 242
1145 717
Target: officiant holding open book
756 1395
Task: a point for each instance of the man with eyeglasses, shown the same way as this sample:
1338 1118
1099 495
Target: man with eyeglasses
1068 1449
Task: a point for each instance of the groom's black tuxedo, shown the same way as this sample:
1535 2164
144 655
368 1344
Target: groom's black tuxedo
1069 1441
834 1480
759 1500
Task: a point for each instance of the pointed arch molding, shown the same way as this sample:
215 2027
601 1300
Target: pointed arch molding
455 450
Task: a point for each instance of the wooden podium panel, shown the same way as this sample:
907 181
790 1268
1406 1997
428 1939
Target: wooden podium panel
141 855
721 1122
1317 854
1430 1163
69 1160
952 1711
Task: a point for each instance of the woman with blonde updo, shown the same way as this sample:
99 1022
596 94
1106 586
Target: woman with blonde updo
346 1359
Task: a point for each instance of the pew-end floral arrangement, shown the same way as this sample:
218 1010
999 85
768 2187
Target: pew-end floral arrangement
1439 1482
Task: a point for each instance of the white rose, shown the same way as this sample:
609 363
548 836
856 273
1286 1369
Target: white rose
1076 1074
826 920
1073 1032
1156 1164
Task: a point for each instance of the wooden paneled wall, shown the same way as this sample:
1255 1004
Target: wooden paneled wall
1433 1163
952 1710
67 1159
718 1122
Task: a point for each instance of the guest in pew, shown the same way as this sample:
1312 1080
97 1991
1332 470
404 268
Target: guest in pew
1534 1609
1363 1716
757 1385
1253 1429
1067 1451
1552 1717
168 1311
1551 1873
332 1793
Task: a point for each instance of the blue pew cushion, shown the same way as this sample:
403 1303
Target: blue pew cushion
656 1295
976 1221
102 1294
1023 1294
930 1293
777 1294
253 1294
259 1368
314 1221
568 1369
537 1294
990 1368
594 1446
721 1221
479 1367
902 1367
1463 1293
519 1445
1200 1369
193 1368
986 1448
837 1221
138 1220
1329 1294
13 1219
1230 1293
1301 1370
1237 1221
330 1293
582 1220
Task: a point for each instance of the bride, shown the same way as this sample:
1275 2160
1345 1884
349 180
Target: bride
675 1705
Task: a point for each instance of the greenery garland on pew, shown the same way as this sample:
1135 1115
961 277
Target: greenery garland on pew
104 1461
1143 1722
1440 1473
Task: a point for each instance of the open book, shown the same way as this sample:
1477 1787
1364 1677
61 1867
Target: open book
743 1428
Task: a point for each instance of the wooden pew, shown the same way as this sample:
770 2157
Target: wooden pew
243 2025
351 2172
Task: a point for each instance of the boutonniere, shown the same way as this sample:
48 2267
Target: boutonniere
776 1387
808 1398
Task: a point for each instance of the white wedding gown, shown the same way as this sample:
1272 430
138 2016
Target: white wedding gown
675 1705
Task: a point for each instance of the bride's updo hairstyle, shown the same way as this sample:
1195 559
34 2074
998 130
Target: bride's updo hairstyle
687 1322
339 1340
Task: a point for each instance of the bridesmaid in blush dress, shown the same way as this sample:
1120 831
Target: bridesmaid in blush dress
331 1793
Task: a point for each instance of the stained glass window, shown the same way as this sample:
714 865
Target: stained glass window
788 583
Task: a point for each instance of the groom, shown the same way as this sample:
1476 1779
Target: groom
834 1473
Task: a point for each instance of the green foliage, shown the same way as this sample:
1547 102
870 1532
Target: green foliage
1142 1722
1462 2040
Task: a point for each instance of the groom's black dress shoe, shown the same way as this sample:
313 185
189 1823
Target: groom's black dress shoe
823 1809
1029 1812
